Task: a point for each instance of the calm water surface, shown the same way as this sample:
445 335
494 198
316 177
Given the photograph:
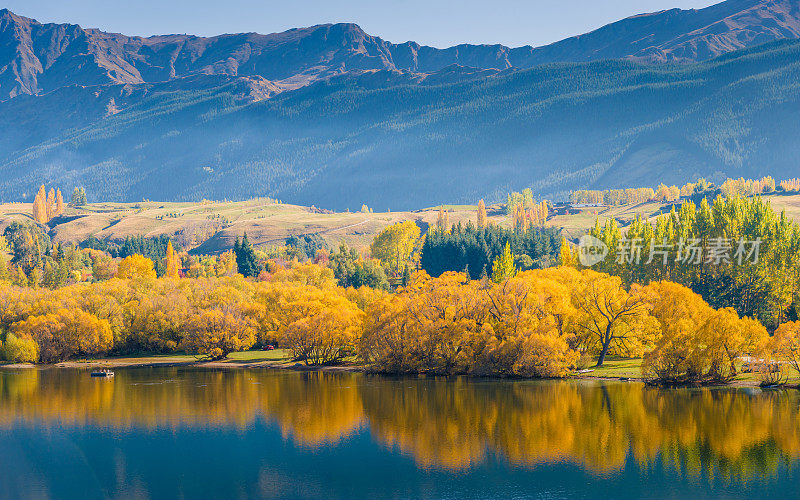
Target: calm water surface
172 432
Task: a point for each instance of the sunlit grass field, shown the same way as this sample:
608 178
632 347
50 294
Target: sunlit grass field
268 223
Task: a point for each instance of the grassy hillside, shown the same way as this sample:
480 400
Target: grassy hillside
217 224
392 145
265 222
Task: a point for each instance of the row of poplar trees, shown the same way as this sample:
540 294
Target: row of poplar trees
749 258
47 205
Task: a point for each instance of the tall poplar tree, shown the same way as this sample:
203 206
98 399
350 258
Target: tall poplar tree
50 204
481 214
503 266
39 208
171 262
59 202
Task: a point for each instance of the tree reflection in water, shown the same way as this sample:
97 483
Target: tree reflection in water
443 423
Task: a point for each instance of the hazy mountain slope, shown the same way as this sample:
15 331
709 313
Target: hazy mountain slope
680 35
396 143
39 58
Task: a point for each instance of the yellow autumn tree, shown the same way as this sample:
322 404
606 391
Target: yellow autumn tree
225 264
695 343
680 314
785 344
528 333
610 319
395 244
306 274
565 257
481 214
171 262
59 202
433 326
135 266
103 266
40 206
503 266
725 337
443 220
19 349
50 204
215 333
319 326
66 333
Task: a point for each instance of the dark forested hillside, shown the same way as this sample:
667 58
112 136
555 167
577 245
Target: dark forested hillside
397 144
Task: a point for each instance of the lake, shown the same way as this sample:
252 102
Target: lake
182 432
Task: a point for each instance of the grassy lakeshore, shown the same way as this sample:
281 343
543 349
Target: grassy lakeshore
278 359
614 368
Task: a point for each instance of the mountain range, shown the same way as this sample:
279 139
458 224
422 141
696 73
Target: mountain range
334 116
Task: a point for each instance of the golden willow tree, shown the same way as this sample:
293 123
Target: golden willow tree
533 324
135 266
610 318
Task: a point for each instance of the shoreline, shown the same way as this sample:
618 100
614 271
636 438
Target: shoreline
186 362
132 363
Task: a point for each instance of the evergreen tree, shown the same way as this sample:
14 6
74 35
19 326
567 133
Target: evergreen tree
476 248
406 276
237 246
246 259
78 197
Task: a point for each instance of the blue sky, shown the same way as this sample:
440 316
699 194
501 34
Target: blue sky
432 22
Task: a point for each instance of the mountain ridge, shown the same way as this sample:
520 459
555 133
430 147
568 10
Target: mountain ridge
332 116
345 141
299 56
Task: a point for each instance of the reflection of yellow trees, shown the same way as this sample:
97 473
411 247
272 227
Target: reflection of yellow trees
314 408
453 425
436 422
442 423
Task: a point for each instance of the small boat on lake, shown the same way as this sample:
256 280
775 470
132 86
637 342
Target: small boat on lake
102 373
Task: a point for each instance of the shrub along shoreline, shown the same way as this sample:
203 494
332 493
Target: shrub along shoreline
190 362
536 324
